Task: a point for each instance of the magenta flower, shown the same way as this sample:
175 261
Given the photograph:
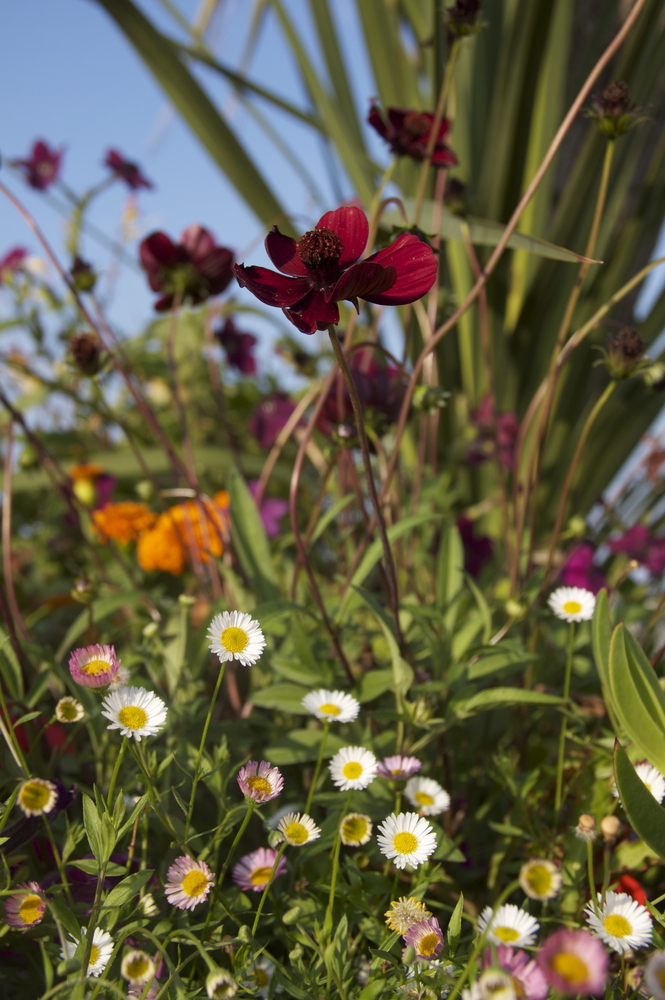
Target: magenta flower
269 417
194 268
638 543
380 388
478 549
493 442
25 908
574 962
524 970
12 262
127 171
260 782
579 571
426 938
253 870
324 267
42 167
271 511
408 131
94 666
238 347
398 768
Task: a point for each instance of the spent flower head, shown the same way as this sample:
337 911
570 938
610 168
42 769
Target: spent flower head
404 913
236 636
613 111
355 829
188 883
69 710
137 967
333 706
298 829
625 354
260 782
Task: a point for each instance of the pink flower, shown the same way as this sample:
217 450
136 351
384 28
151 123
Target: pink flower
252 872
269 417
426 938
407 132
324 267
524 970
129 172
638 543
42 167
398 768
12 262
271 511
238 347
193 268
493 442
260 782
579 571
574 962
94 666
188 883
25 908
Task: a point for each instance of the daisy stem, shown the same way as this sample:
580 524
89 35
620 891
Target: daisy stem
156 797
480 943
116 768
265 892
317 768
251 805
58 861
592 881
562 734
328 922
199 755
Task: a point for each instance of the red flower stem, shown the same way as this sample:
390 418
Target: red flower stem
393 598
7 535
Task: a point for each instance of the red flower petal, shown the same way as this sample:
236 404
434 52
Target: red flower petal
216 267
350 224
270 287
313 314
198 241
362 280
157 250
416 267
282 251
444 158
375 119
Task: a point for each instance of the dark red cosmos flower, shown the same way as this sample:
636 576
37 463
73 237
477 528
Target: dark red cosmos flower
626 883
129 172
42 167
478 549
12 262
323 268
238 347
408 131
193 268
638 543
380 388
269 417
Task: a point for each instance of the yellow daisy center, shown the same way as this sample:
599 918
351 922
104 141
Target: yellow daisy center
506 934
234 639
423 799
647 785
296 833
68 712
94 954
572 607
137 967
94 667
194 883
352 770
354 828
34 796
330 709
30 910
133 717
260 875
428 944
570 967
405 843
617 925
540 879
262 977
259 784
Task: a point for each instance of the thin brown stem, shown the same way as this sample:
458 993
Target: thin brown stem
434 131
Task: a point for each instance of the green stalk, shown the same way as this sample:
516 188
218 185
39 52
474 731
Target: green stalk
199 755
480 943
317 768
114 776
251 805
562 734
264 894
328 921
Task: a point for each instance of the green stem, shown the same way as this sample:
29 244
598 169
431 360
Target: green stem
562 734
317 768
480 943
94 916
251 805
116 769
434 131
156 798
264 894
328 921
58 861
199 755
592 882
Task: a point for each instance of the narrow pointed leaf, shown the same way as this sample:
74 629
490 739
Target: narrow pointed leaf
646 816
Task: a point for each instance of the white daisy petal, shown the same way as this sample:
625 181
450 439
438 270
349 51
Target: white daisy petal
651 778
654 975
622 924
236 636
298 829
100 953
427 795
509 925
572 604
333 706
407 839
135 712
353 767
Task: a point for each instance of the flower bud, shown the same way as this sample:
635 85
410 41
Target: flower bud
586 827
613 111
430 398
150 629
625 353
245 934
291 916
609 827
461 18
85 352
83 276
84 591
654 375
455 196
515 609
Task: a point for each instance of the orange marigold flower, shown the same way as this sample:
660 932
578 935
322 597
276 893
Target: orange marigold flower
87 470
123 521
167 545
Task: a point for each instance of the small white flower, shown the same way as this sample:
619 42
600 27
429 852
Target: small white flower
135 712
68 710
353 767
297 829
540 879
137 968
572 604
333 706
37 796
260 976
236 636
355 829
427 795
623 924
509 925
100 953
651 778
654 975
408 839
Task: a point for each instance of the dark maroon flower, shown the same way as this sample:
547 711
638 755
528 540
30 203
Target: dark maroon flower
579 570
12 262
83 275
271 511
461 18
42 167
193 268
380 388
85 351
323 268
613 111
237 347
407 132
478 549
129 172
491 443
269 417
638 543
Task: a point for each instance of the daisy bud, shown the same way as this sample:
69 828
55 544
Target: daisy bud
220 985
609 827
586 827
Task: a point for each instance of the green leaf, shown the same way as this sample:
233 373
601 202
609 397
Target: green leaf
450 573
329 516
372 684
483 701
101 609
287 697
646 816
402 672
99 830
372 990
302 745
506 656
250 540
638 700
127 889
455 927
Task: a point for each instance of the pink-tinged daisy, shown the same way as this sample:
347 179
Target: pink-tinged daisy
298 829
574 962
398 768
260 782
135 712
94 666
622 923
25 908
252 872
188 883
426 938
509 925
37 796
528 978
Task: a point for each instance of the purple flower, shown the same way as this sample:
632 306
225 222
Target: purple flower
42 167
269 417
579 571
271 511
574 962
129 172
426 938
530 978
25 908
94 666
477 549
408 132
238 347
193 268
253 870
496 443
638 543
398 768
12 262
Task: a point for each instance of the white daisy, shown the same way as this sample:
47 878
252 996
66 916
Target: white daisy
37 796
137 967
623 924
509 925
100 953
427 795
654 975
333 706
540 879
651 778
572 604
135 712
220 985
353 767
297 829
260 976
408 839
69 709
236 636
355 829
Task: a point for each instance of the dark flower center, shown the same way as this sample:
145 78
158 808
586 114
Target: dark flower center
615 99
416 124
320 250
